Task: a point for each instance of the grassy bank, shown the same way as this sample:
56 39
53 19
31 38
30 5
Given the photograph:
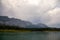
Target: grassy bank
27 31
14 30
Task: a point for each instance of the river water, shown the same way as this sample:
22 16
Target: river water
29 35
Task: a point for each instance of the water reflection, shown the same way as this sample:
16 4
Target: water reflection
30 36
53 36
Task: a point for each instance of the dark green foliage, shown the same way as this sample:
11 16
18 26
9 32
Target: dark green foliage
8 27
31 29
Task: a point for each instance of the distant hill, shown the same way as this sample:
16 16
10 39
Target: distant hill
20 23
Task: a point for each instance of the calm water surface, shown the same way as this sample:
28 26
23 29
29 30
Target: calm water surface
29 35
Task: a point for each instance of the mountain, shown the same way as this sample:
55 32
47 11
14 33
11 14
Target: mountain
40 25
20 23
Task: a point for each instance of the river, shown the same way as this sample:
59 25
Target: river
29 35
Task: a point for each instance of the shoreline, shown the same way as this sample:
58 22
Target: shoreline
10 30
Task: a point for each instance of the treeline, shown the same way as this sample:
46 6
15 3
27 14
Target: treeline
31 29
8 27
41 29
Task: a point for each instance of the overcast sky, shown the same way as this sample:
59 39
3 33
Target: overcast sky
36 11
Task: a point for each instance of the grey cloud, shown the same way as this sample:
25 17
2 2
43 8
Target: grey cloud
34 13
54 17
1 8
58 3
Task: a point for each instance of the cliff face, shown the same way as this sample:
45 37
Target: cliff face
20 23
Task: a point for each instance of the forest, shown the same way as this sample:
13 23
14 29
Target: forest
7 27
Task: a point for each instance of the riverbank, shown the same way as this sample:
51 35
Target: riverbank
5 30
14 30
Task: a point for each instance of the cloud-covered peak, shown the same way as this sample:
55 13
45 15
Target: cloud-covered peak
36 11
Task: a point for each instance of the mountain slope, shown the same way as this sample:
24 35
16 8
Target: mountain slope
20 23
